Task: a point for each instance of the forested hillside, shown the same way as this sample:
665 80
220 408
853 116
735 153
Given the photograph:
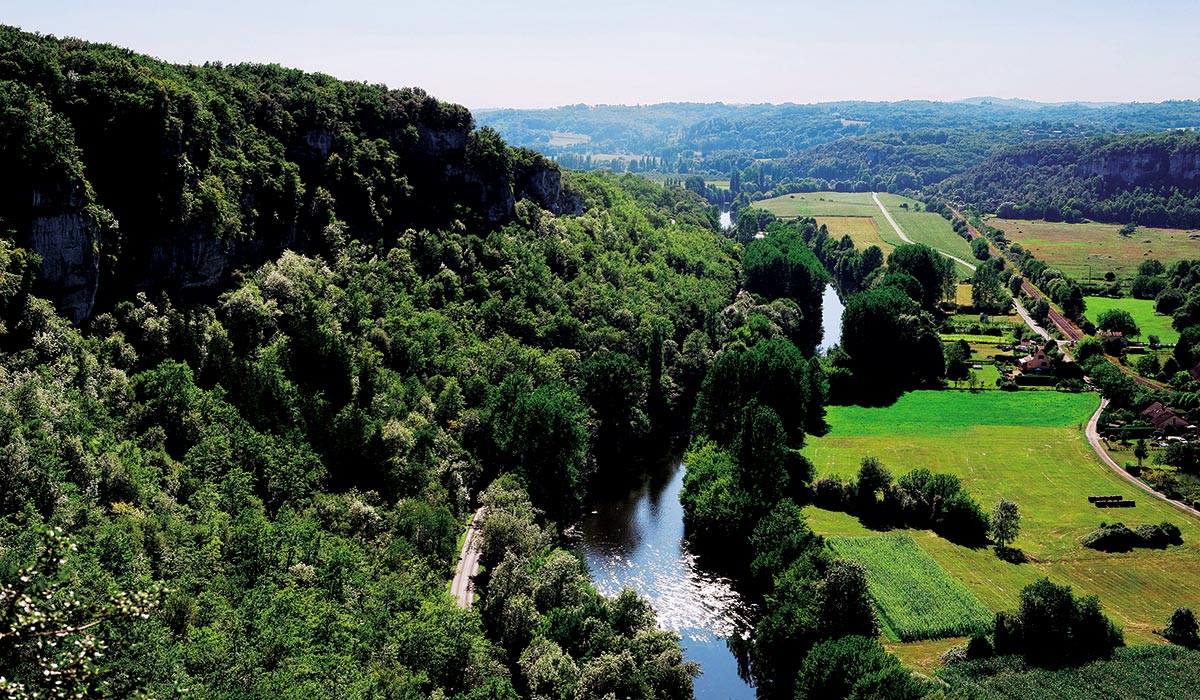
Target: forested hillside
1149 180
1121 162
872 143
126 173
317 320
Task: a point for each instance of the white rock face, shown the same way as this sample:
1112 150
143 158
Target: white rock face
69 246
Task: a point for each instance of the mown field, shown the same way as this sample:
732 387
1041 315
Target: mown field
916 598
1142 311
1086 251
862 230
925 227
921 227
1152 673
566 138
789 206
1028 447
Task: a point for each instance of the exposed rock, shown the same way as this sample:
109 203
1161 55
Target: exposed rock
68 241
544 185
319 141
1145 167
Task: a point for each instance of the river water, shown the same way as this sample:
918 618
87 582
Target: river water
634 539
831 319
726 219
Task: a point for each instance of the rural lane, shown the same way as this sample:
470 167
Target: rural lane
906 239
463 587
1094 438
1024 314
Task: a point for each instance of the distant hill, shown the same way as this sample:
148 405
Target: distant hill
1018 103
1153 180
777 148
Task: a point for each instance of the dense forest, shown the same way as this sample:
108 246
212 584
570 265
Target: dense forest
1146 180
314 320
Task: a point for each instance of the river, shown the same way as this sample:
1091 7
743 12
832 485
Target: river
726 219
634 539
831 319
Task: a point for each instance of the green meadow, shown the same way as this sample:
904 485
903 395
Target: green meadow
920 227
1142 311
1028 447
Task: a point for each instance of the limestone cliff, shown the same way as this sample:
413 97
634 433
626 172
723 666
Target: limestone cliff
1144 167
150 176
67 237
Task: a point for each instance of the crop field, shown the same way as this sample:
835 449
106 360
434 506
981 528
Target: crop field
862 230
1142 311
1158 673
915 597
1086 251
1029 447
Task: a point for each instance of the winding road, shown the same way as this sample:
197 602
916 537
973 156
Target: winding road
463 586
1094 438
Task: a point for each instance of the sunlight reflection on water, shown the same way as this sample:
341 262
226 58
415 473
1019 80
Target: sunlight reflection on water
636 541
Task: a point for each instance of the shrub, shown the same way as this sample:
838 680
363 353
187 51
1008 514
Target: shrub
1117 537
1182 629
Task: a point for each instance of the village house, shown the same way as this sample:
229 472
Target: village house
1035 361
1163 418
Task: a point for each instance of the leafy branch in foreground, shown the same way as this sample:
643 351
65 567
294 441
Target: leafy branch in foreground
48 632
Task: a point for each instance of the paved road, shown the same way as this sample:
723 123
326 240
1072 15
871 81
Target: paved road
906 239
1094 438
463 586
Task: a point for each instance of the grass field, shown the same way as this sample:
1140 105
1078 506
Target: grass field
915 597
1028 447
1089 250
921 227
925 227
862 230
1158 673
962 295
789 206
1142 311
566 138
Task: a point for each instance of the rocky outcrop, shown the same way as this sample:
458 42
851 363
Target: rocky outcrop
449 144
1145 167
543 184
68 240
174 180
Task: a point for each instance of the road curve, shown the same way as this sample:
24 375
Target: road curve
1094 439
463 586
906 239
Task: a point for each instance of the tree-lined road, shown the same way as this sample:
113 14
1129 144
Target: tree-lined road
463 586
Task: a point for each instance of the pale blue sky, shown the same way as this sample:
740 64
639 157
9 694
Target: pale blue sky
541 53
